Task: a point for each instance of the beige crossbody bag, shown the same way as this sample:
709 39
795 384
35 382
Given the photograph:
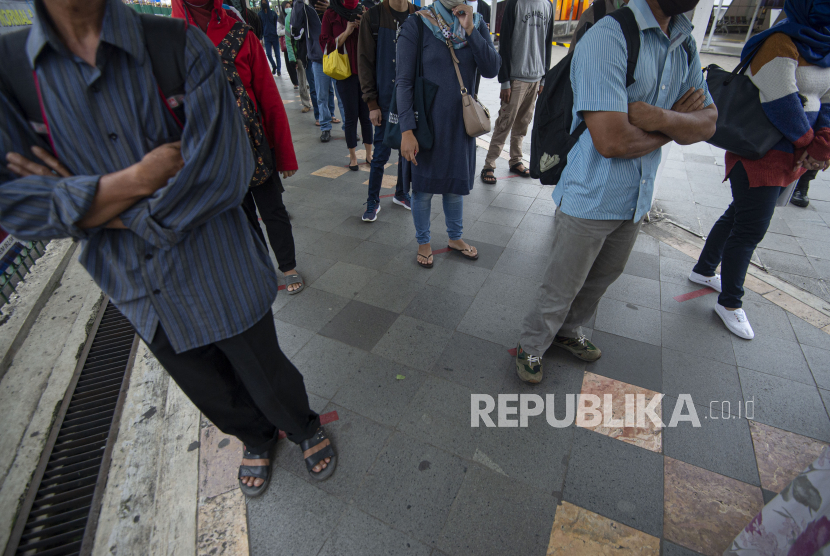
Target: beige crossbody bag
476 115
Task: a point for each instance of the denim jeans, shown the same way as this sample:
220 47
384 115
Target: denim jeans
380 157
453 215
325 96
272 50
736 234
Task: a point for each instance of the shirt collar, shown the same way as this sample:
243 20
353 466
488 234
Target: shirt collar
121 28
679 28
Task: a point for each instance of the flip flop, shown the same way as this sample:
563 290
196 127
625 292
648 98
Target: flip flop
336 121
294 279
426 263
464 252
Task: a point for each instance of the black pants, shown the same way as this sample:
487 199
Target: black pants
736 234
245 385
268 199
352 97
292 69
804 182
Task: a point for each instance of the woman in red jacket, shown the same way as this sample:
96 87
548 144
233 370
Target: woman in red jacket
340 27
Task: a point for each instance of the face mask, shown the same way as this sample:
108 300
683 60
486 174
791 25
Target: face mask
350 4
450 4
676 7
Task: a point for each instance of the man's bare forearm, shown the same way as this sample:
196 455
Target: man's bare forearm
116 193
647 143
689 127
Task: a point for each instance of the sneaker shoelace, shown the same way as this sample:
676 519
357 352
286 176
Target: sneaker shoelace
533 359
740 316
582 340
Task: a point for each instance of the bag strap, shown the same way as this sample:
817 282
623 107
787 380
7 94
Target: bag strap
20 87
599 9
166 41
374 21
419 59
631 31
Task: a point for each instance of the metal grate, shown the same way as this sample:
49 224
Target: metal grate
60 512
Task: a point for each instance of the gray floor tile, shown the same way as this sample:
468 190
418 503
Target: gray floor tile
353 226
331 245
510 201
488 255
511 291
676 271
292 518
490 321
647 244
413 342
531 242
704 379
473 362
392 234
524 188
496 515
634 289
793 264
628 361
537 223
311 267
814 230
473 211
327 364
371 255
345 279
782 358
375 391
543 205
291 338
642 264
699 307
318 218
697 336
809 334
412 487
769 321
813 285
522 263
304 237
722 443
814 248
628 320
819 361
311 309
389 292
825 396
359 325
821 266
502 216
439 306
672 253
358 534
618 480
785 404
780 242
458 277
482 195
405 264
564 374
671 549
495 234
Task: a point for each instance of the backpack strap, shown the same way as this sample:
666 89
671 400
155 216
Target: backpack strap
374 21
17 79
631 31
166 40
599 9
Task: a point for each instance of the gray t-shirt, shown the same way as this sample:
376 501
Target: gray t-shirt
529 32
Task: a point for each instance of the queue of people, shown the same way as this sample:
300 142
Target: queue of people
212 160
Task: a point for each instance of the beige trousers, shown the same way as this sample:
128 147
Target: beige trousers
514 117
302 82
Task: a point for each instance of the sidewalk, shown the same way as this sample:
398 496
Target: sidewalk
392 353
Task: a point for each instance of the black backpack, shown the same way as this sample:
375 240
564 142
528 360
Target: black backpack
165 40
551 137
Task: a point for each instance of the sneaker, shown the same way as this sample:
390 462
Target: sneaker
279 74
579 347
528 367
708 281
735 321
372 210
273 71
325 137
404 202
800 199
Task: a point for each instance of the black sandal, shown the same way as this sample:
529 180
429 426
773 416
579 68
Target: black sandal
256 471
426 263
488 177
524 172
320 447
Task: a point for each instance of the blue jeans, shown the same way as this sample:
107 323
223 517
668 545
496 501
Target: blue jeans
453 215
325 96
736 234
380 157
273 45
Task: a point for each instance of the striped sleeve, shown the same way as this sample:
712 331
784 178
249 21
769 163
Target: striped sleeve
598 69
773 72
820 147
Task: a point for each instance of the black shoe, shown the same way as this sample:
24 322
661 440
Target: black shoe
273 71
279 74
325 137
799 199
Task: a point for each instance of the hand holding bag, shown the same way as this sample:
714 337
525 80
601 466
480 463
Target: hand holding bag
476 115
337 65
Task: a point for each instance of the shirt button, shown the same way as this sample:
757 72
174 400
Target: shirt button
113 136
156 292
663 87
148 257
393 60
644 182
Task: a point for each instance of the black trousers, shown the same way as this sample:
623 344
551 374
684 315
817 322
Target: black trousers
356 110
292 69
245 385
804 182
267 198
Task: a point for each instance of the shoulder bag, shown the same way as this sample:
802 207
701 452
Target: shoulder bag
476 115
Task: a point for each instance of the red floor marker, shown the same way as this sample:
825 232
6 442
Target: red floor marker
439 251
511 176
280 288
385 196
512 351
693 295
325 419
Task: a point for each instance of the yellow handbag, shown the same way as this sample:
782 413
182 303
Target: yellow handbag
336 65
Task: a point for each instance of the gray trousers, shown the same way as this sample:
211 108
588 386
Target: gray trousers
587 256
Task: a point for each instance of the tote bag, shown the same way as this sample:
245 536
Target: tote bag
336 65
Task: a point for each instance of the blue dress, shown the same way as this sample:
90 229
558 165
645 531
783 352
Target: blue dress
449 167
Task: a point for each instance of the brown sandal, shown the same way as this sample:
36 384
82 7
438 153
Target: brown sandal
426 263
488 177
467 253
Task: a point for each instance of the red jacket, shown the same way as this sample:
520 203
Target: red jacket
255 72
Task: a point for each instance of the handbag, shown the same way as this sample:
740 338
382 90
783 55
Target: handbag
337 65
423 95
743 127
282 45
476 115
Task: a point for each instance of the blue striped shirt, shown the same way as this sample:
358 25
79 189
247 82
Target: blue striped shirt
189 260
599 188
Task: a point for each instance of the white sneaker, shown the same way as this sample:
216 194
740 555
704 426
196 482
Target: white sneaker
735 321
708 281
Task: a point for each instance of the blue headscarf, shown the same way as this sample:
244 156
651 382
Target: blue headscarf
455 32
808 25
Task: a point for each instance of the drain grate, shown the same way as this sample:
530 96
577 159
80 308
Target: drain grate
60 512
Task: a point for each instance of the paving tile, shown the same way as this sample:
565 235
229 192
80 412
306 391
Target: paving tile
292 517
330 171
525 189
793 264
768 495
490 321
515 202
291 338
345 279
327 364
825 396
671 549
647 244
813 285
393 234
311 267
355 227
405 264
304 237
543 205
721 443
537 223
358 534
785 404
701 308
642 264
616 480
332 246
705 380
814 248
222 525
579 532
495 234
672 253
676 271
411 487
511 291
219 456
439 306
647 436
819 361
312 309
375 391
698 337
473 362
457 277
502 216
389 292
371 255
564 374
705 511
783 359
488 255
634 289
814 230
630 361
413 342
319 218
359 325
769 321
783 243
629 321
531 242
522 263
473 211
782 455
482 195
496 515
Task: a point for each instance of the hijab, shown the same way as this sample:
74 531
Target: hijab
200 14
350 13
808 25
445 26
